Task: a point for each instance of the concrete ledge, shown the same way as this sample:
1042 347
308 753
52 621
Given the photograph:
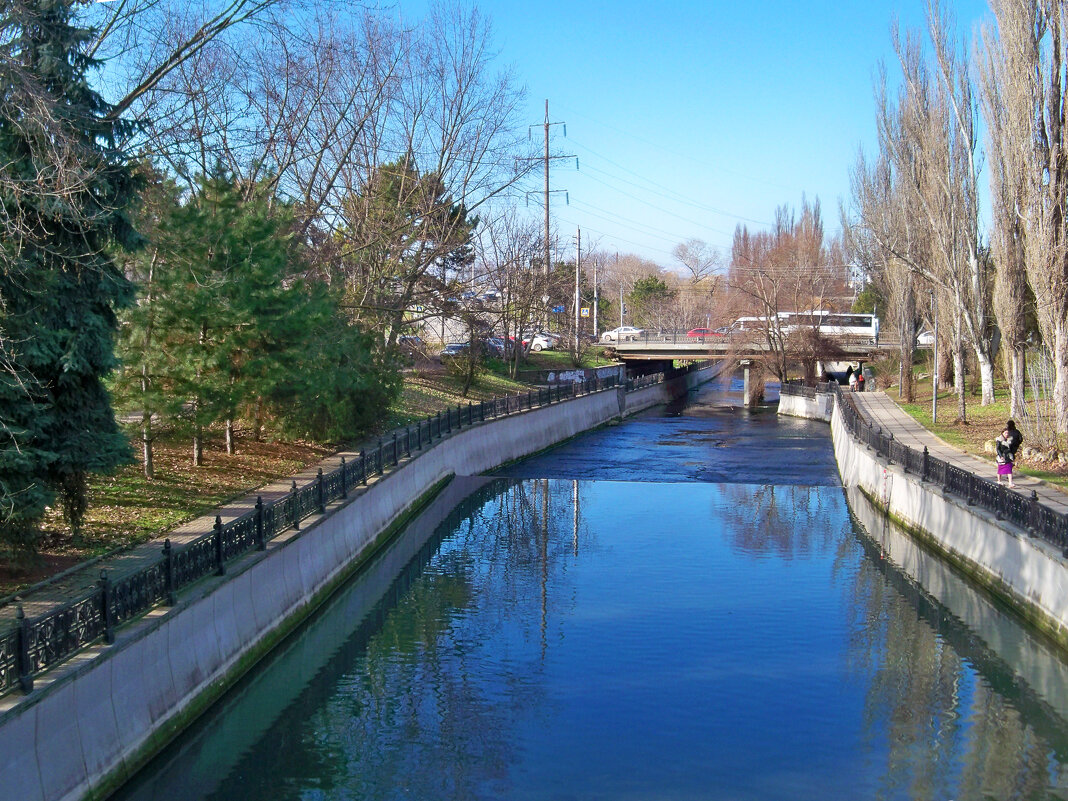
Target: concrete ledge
93 721
818 408
1023 572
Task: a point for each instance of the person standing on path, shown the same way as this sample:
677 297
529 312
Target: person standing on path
1005 447
1015 438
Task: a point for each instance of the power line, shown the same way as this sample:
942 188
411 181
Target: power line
658 233
688 157
678 196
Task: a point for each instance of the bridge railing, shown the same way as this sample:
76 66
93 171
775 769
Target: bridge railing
37 644
1006 504
750 338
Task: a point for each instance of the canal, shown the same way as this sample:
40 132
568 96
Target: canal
684 606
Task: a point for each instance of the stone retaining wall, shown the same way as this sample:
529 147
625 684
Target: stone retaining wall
94 721
1026 573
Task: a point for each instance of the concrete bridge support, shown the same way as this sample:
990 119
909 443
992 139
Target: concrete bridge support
747 395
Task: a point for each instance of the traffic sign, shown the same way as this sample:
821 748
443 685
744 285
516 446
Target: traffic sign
584 311
558 310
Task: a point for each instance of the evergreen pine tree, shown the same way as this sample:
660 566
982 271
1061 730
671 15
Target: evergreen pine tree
64 192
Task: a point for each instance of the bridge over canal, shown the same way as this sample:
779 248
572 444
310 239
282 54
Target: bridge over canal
679 347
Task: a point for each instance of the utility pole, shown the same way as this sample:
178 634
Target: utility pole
620 291
596 301
548 158
546 186
578 261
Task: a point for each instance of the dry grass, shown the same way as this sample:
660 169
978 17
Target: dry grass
126 509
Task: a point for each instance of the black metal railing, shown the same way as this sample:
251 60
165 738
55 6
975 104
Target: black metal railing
1006 504
34 645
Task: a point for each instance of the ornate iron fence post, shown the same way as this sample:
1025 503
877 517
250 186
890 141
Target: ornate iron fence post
396 454
221 565
168 572
448 419
109 619
1032 527
25 666
294 505
363 467
344 478
261 533
926 464
407 441
319 491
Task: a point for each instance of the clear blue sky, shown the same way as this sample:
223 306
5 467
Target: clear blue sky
689 117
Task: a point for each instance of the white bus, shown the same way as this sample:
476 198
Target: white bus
835 325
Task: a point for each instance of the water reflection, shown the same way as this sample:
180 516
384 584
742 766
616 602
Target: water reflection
613 639
964 697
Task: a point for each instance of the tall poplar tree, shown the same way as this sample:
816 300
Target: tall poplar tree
64 192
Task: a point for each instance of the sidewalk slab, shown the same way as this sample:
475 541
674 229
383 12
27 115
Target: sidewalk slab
884 413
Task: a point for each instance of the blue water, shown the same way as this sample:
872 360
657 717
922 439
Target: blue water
660 636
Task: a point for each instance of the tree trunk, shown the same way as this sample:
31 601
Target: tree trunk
198 447
1017 358
146 445
986 375
257 421
905 388
946 377
958 381
231 445
1060 382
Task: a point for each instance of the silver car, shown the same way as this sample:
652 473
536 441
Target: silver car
622 334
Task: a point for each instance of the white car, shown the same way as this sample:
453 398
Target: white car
925 338
622 334
540 342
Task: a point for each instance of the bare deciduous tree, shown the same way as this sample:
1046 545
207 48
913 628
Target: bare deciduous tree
1025 67
928 144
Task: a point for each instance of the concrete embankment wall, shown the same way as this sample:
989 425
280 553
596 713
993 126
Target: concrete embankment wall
818 408
94 721
1026 573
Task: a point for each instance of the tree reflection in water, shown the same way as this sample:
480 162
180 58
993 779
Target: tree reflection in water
955 719
606 638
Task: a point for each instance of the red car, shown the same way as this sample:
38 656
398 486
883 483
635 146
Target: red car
703 332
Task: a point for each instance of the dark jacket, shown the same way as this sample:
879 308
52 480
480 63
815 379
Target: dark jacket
1004 450
1015 439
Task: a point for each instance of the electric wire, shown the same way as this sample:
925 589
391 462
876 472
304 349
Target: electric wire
687 157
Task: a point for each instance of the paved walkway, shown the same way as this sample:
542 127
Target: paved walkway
882 411
77 582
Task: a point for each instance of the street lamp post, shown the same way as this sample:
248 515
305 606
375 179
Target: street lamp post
934 371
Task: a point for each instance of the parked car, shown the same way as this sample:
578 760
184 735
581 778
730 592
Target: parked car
497 347
454 350
925 338
622 334
540 342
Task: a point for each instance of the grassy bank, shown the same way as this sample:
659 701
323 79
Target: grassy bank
126 509
984 423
